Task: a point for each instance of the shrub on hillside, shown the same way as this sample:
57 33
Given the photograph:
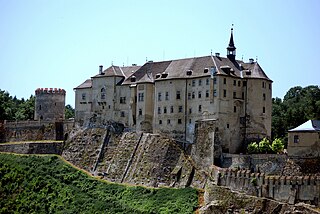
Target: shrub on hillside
277 145
264 146
253 148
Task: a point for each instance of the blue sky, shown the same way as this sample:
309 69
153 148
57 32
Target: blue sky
61 43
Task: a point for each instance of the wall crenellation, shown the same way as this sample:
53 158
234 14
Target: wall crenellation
50 91
290 189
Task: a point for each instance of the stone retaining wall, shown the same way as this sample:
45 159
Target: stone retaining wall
33 147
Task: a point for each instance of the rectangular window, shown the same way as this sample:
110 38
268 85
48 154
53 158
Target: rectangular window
190 110
180 109
234 82
189 96
244 83
234 94
140 111
123 100
190 121
178 95
199 94
207 81
165 110
296 138
200 82
215 80
193 95
160 122
193 83
159 96
140 97
264 96
103 96
270 86
171 109
167 95
264 110
159 110
224 93
200 108
122 114
263 84
224 81
207 93
234 109
83 96
215 92
179 121
168 121
239 83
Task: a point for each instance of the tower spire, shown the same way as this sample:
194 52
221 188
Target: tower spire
231 49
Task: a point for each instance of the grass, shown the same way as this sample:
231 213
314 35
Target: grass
46 184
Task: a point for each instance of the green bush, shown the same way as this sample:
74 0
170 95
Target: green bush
264 146
253 148
277 145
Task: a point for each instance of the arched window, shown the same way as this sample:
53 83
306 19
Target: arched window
103 93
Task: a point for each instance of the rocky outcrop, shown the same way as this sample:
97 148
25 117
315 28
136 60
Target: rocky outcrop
136 158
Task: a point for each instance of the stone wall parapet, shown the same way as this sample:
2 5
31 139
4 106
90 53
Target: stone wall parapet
289 189
50 91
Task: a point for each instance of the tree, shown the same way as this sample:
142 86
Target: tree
298 105
11 108
69 112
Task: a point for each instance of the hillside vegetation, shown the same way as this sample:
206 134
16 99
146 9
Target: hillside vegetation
46 184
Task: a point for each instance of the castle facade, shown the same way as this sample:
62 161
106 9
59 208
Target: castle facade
169 97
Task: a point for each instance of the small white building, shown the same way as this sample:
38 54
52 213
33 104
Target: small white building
304 140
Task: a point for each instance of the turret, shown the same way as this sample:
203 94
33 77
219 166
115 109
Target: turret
49 104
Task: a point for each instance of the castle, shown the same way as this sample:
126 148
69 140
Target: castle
170 97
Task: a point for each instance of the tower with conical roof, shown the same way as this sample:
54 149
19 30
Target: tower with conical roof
231 49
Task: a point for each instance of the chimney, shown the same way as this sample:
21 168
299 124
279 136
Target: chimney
101 69
217 54
251 60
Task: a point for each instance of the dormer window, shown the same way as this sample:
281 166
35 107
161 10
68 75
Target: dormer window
133 78
189 72
164 75
206 70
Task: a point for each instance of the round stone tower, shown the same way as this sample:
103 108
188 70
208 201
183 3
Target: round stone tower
49 104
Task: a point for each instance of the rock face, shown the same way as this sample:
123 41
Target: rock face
136 158
221 200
